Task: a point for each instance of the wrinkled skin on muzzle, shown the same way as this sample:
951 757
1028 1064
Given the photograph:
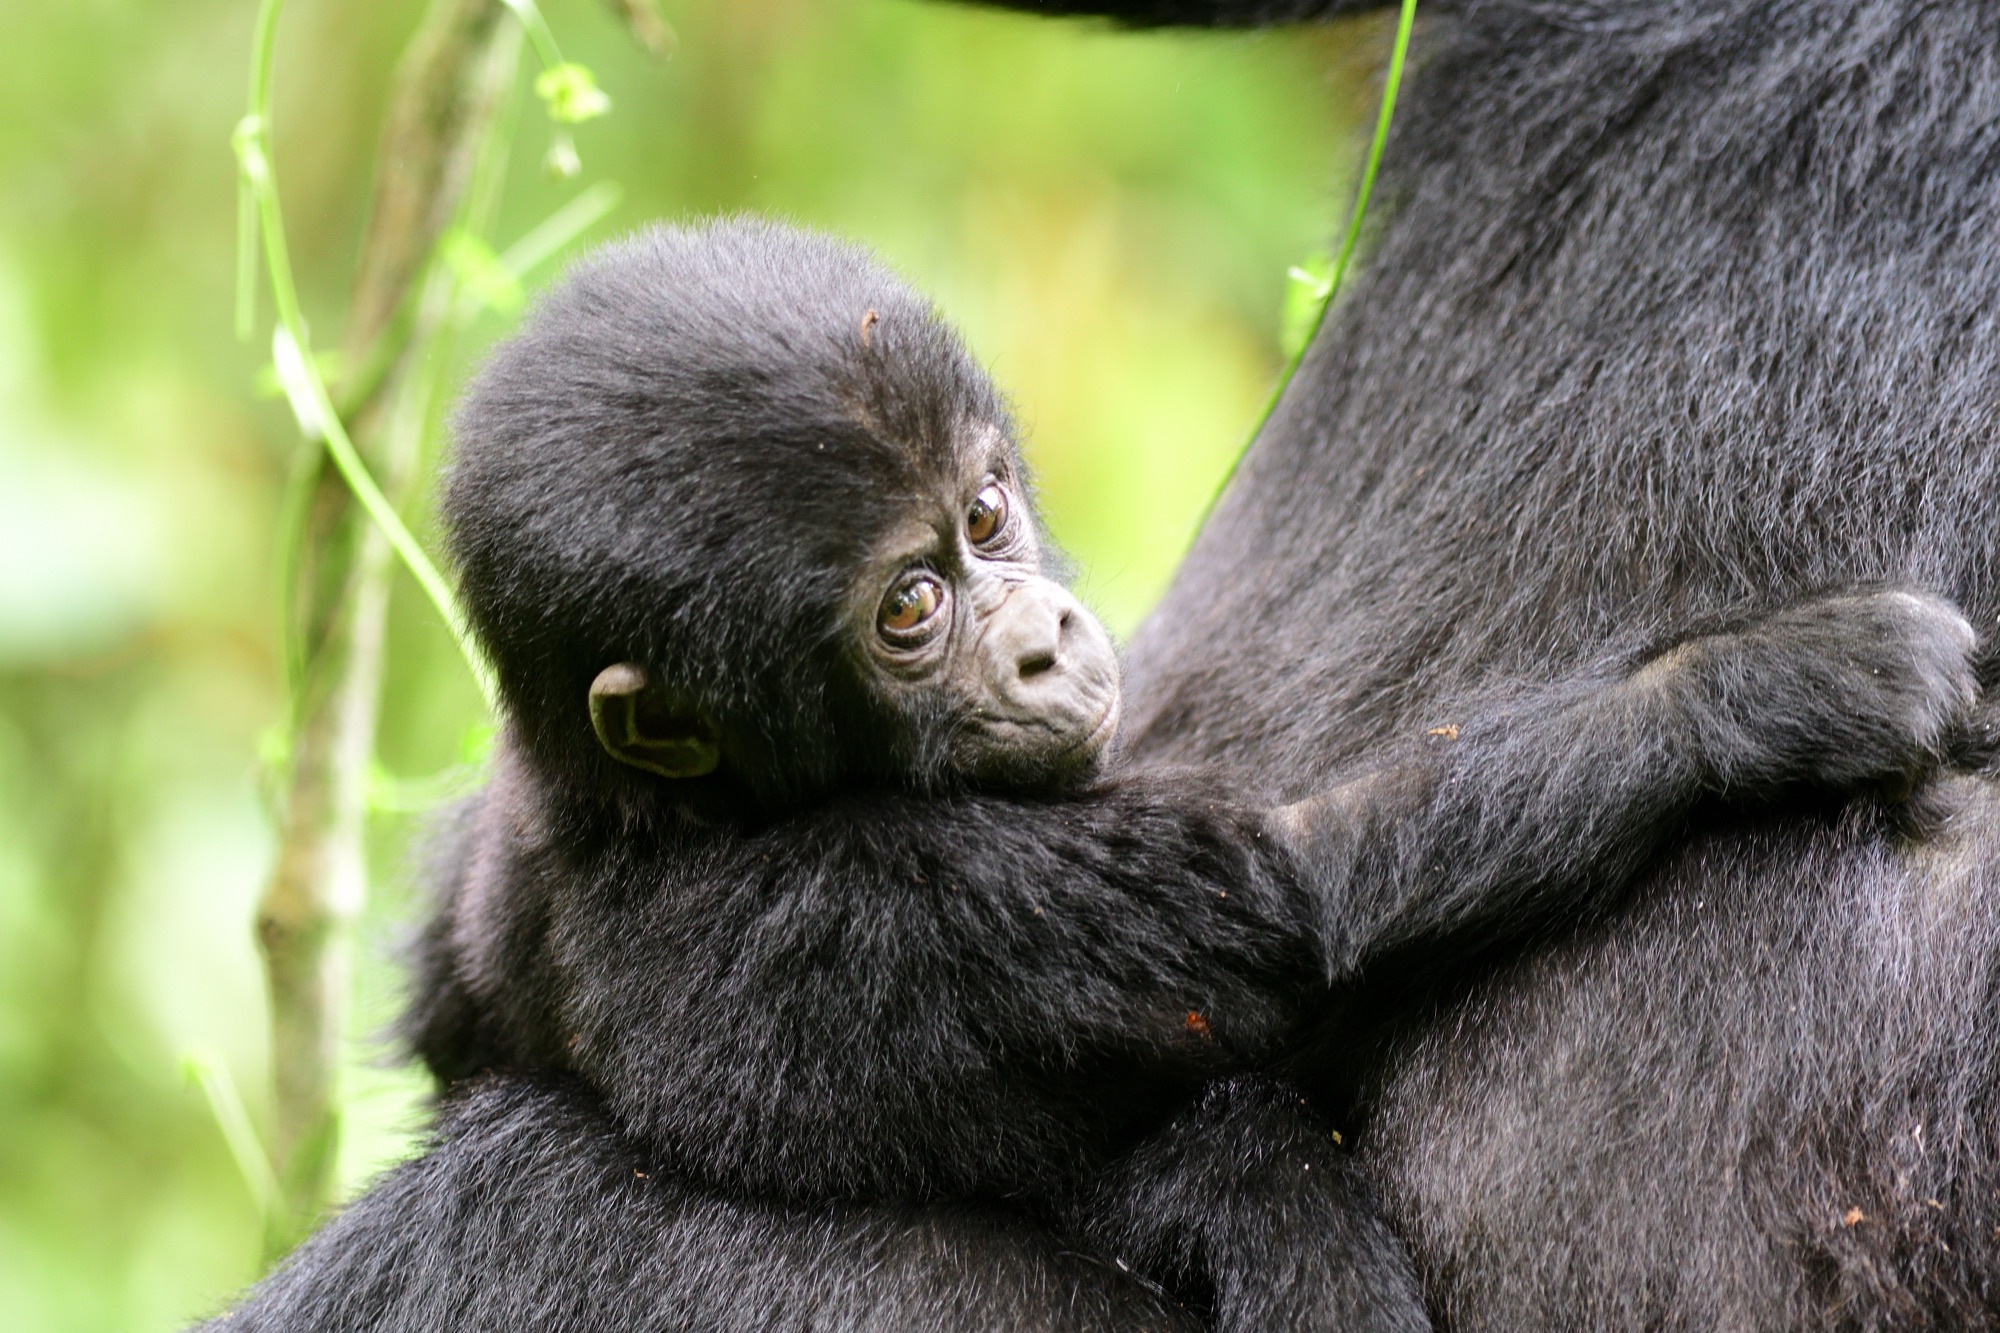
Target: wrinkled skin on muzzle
1051 687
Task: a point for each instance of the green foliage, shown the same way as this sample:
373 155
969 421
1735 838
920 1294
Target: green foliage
1108 216
297 369
569 91
1308 287
481 274
1307 293
571 94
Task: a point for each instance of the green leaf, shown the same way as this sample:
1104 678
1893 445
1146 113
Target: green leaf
274 748
480 272
571 94
1307 287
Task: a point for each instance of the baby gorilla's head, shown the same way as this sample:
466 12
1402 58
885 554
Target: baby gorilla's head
734 502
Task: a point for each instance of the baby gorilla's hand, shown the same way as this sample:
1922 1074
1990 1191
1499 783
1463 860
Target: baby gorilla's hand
1859 689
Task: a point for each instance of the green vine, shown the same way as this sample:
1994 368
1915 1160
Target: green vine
1312 287
298 375
570 94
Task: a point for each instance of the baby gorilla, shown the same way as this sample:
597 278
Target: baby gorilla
804 848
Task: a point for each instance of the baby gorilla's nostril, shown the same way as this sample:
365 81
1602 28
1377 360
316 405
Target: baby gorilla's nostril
1038 625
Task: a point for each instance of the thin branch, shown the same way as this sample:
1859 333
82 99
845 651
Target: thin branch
543 40
449 86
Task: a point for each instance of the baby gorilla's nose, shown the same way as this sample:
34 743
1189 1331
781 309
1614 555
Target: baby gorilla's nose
1047 686
1042 650
1047 658
1030 628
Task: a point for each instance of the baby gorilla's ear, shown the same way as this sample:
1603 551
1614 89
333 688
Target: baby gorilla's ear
637 726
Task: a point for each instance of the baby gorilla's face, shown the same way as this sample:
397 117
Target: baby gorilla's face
974 649
971 661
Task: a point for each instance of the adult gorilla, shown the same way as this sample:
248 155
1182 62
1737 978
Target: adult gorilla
1678 305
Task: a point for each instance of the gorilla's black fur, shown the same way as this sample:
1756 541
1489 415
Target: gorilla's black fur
1672 303
532 1211
821 973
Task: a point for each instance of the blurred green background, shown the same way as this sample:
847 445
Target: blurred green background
1108 217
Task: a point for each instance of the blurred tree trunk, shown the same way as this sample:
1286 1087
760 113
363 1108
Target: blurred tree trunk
449 88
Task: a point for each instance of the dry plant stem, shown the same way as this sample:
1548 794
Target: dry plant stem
448 89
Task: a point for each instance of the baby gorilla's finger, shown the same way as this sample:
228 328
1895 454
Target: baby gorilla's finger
1913 660
1855 690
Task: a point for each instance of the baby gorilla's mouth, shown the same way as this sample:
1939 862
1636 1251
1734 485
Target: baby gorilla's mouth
1093 741
1026 751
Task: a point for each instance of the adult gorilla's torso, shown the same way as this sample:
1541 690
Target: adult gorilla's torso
1678 311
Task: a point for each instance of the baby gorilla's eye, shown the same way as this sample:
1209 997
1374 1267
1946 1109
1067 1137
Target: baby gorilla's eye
987 517
909 608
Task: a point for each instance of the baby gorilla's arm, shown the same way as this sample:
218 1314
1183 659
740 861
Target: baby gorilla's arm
1506 818
1559 794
